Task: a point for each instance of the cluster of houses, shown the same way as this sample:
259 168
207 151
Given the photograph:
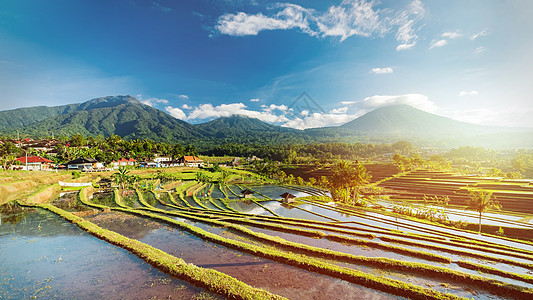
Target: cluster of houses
31 163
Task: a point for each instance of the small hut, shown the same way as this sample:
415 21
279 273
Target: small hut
288 198
247 194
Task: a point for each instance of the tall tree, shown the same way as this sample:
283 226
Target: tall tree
482 201
122 176
349 177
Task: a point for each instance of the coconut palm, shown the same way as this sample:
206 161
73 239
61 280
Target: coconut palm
482 201
121 176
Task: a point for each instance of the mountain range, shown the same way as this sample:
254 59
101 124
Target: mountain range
129 118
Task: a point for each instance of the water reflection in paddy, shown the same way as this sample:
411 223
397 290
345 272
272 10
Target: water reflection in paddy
44 256
275 277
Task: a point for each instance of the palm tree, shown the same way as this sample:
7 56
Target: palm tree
121 176
482 201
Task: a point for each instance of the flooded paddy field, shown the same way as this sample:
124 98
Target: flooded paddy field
46 257
309 249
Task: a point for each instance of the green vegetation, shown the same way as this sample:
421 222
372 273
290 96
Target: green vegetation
482 201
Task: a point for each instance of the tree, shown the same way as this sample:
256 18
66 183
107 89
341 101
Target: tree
223 176
121 176
78 140
349 177
8 152
482 201
202 177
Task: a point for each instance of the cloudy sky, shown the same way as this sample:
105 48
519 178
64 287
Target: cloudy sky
297 63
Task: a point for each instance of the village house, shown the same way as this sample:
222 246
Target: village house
190 161
123 162
162 161
84 164
288 198
247 194
34 163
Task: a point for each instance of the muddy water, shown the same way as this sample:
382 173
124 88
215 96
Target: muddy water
272 276
103 198
217 193
45 257
248 207
274 191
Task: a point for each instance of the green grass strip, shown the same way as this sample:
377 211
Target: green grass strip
229 189
494 286
196 200
212 280
225 202
494 271
463 252
182 198
216 205
312 234
265 208
368 280
221 188
118 199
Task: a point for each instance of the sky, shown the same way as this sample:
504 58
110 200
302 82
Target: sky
295 63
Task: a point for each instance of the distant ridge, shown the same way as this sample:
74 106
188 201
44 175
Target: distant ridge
404 120
115 115
131 119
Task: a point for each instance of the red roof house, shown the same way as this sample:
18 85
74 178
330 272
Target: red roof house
124 162
191 161
34 163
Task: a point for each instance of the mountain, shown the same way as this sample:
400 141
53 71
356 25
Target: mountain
129 118
399 122
405 120
121 115
20 117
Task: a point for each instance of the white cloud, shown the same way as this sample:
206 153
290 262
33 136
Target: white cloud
272 107
254 100
341 110
184 97
406 21
185 106
350 102
452 35
349 18
482 33
439 43
209 111
416 100
468 93
153 101
479 50
405 46
241 24
176 112
315 120
387 70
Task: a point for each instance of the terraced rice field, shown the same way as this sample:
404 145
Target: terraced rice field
513 195
305 250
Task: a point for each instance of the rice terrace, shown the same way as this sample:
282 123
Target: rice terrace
245 149
192 232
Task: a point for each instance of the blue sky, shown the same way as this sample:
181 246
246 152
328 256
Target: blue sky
202 59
